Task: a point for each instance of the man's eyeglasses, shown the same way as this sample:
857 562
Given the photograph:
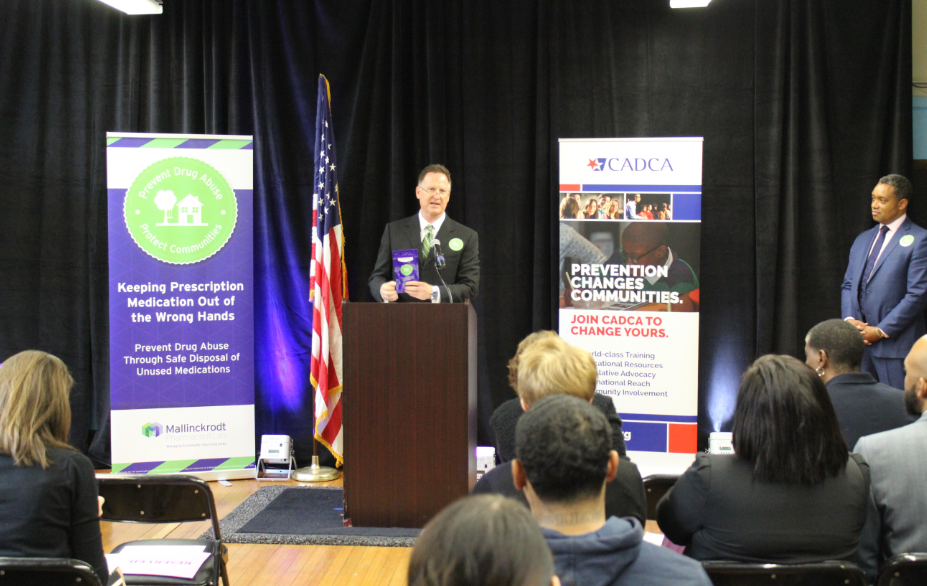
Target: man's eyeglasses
435 191
630 260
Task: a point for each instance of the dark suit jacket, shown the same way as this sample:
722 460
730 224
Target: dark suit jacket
462 273
895 296
624 496
506 416
721 512
865 406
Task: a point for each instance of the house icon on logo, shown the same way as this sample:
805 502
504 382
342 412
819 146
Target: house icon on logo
191 211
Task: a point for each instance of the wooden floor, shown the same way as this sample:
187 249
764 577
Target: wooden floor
278 564
258 565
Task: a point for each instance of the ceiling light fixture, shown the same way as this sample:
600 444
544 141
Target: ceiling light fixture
689 3
137 6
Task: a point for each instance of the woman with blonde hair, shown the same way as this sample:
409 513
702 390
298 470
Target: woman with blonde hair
613 212
48 491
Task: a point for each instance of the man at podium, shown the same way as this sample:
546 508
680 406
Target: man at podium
436 237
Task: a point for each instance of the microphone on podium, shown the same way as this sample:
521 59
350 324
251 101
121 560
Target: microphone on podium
440 263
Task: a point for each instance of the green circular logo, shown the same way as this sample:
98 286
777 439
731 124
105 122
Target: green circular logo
406 270
455 244
180 210
907 240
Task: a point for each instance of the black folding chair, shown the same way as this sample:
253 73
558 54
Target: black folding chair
47 572
165 498
815 574
904 570
655 486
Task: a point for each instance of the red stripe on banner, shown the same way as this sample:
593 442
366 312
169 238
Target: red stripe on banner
683 438
569 187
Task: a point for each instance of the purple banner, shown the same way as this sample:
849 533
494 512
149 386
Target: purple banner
181 335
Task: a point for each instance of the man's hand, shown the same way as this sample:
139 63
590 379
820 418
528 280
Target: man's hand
859 325
871 335
418 290
388 291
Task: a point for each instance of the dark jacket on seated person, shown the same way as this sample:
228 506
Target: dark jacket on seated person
721 512
624 496
616 555
865 406
51 512
505 418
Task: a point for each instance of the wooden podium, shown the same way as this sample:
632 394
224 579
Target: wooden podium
409 410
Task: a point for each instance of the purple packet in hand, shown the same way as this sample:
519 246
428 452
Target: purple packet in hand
405 268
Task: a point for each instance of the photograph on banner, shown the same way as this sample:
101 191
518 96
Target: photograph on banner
591 206
629 265
648 206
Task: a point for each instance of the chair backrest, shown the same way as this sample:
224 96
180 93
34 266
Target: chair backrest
815 574
47 572
655 486
157 498
904 569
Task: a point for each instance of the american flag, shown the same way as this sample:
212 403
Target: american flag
328 282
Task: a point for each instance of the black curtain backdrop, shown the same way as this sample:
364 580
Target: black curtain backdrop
803 106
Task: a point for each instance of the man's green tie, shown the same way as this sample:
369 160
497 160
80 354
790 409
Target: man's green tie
429 238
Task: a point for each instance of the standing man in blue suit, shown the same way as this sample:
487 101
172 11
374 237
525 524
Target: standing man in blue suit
885 286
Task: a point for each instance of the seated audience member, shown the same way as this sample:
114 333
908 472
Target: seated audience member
896 520
564 461
550 366
481 541
663 214
864 406
505 417
49 503
790 493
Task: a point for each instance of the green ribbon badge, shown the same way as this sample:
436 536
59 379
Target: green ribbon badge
907 240
456 244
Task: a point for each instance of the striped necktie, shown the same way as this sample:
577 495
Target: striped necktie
429 238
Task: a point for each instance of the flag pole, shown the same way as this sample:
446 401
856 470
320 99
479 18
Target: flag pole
328 290
314 472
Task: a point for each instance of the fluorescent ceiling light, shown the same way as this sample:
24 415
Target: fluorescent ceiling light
681 3
136 6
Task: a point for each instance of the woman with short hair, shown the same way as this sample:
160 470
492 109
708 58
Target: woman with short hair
791 492
48 491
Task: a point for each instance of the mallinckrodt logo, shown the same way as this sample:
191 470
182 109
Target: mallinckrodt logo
152 429
180 210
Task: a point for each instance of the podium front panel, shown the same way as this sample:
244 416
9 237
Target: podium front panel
409 410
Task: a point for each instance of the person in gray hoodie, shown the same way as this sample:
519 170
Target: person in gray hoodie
564 458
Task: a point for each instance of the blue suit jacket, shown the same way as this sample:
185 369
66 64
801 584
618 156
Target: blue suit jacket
896 294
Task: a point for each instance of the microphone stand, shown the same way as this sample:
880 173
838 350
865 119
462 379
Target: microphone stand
440 263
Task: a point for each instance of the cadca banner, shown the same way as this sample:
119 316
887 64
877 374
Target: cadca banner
630 224
181 304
